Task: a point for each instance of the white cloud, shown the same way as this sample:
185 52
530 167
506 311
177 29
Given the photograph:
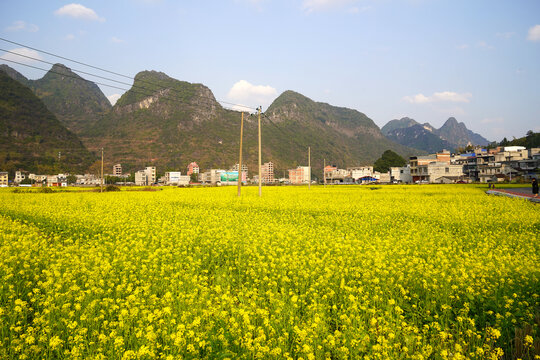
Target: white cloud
114 98
324 5
116 40
445 96
69 37
22 51
534 33
251 95
78 11
462 47
22 26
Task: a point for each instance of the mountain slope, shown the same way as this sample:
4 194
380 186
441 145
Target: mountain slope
342 136
398 124
417 136
458 134
31 137
171 123
76 102
168 123
14 74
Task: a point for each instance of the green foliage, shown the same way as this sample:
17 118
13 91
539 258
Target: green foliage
71 179
387 160
46 190
112 188
76 102
531 140
27 181
31 137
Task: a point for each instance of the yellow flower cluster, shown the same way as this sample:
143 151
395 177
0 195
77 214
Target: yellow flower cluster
390 272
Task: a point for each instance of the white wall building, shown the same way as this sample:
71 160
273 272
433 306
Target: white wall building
360 171
401 174
140 178
19 177
176 178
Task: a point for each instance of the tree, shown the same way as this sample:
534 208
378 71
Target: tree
27 181
194 178
387 160
71 179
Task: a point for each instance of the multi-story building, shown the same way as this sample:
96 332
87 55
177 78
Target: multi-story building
439 172
360 172
193 168
300 175
19 177
415 162
244 171
172 177
176 178
267 173
57 180
38 179
499 164
401 174
334 175
4 178
141 178
150 175
117 170
494 172
88 179
213 176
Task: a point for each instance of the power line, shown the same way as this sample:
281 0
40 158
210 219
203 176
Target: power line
74 70
102 69
67 75
164 97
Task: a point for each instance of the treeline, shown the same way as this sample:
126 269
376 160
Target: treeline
531 140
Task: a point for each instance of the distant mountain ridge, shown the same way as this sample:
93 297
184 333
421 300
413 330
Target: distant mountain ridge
32 138
169 123
76 102
175 122
451 135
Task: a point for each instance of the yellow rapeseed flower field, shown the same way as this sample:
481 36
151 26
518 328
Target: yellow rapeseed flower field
387 272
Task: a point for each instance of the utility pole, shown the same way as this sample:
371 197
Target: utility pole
260 156
240 160
309 165
101 187
324 173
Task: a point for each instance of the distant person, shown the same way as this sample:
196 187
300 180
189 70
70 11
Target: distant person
535 187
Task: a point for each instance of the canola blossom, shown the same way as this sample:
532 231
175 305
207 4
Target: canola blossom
342 272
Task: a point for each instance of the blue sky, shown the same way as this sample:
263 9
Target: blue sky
478 61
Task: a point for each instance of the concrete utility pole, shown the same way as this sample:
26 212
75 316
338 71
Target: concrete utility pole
260 155
101 187
324 173
240 160
309 166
